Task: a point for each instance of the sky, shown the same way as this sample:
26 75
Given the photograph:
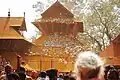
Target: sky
17 8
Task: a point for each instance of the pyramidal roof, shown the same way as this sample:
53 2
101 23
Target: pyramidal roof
57 10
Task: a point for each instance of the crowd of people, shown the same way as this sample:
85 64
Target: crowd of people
88 66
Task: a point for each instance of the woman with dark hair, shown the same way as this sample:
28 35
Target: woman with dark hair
113 74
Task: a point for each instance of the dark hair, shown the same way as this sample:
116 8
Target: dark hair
66 77
22 69
93 73
42 74
13 76
21 73
52 73
113 74
60 76
72 78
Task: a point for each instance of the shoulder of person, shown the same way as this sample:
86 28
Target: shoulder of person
28 78
38 78
96 78
3 77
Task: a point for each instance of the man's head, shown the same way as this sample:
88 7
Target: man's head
88 63
8 68
22 69
52 73
43 74
13 76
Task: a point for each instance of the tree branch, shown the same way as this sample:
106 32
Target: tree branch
99 45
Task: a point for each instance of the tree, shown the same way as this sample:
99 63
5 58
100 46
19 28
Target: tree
40 7
101 20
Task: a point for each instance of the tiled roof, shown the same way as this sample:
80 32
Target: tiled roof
15 45
11 34
57 10
9 27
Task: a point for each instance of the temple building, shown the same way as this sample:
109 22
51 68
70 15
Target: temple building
57 46
58 39
111 54
12 41
57 20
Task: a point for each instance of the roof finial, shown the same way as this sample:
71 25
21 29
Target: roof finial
24 14
9 12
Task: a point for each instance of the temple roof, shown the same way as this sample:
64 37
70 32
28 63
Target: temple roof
111 53
49 28
10 38
16 22
12 34
10 27
57 10
117 39
58 19
59 29
15 45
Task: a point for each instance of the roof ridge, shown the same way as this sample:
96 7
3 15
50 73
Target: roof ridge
62 7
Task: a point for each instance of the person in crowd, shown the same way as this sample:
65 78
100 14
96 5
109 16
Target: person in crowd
52 74
34 75
1 73
89 66
113 74
21 73
66 76
119 72
8 70
60 77
42 76
71 78
13 76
